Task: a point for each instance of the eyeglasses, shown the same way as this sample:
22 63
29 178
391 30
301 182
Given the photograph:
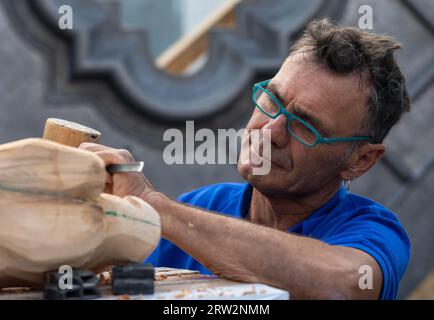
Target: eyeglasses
300 129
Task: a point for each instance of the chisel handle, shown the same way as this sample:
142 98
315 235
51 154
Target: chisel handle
69 133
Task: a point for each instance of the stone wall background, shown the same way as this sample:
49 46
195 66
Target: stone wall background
404 181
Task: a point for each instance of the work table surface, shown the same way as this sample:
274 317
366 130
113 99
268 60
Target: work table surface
175 284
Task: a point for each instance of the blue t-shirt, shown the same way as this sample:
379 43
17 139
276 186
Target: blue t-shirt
346 220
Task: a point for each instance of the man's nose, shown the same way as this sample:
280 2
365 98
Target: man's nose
278 130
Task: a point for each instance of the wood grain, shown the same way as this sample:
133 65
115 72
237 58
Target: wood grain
52 213
39 166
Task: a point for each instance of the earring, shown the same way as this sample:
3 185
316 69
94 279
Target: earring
347 183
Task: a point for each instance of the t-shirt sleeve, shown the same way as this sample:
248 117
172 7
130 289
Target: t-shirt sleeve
192 196
216 197
203 197
379 234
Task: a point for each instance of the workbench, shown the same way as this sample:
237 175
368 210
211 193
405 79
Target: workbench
178 284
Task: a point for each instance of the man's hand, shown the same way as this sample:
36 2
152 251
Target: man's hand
123 183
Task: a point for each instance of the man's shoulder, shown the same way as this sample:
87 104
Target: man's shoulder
358 217
215 196
364 218
361 209
362 205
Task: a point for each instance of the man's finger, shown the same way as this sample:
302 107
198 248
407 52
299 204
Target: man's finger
108 188
93 147
108 178
110 157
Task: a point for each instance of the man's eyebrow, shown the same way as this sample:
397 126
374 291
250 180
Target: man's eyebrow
317 124
272 88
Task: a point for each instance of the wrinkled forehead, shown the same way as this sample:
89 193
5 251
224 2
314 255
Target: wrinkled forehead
299 70
326 94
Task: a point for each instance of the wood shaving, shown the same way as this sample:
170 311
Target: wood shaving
160 277
182 294
15 290
105 278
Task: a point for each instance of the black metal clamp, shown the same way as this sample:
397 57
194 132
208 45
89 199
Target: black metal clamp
84 286
134 278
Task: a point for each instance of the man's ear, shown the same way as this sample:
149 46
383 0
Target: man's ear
362 160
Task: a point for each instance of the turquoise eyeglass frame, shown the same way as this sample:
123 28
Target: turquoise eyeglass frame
290 116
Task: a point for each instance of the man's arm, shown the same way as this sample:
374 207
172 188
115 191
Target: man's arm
243 251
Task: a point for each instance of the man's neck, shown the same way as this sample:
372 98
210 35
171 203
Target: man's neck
283 212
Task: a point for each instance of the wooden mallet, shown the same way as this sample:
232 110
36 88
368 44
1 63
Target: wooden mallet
73 134
69 133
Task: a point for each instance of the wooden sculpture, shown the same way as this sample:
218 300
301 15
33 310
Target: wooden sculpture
53 213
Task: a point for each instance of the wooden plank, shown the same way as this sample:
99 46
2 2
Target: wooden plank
187 49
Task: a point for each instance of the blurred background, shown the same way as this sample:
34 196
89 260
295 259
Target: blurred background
135 68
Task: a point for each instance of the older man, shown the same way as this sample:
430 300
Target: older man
328 110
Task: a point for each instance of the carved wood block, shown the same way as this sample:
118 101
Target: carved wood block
53 212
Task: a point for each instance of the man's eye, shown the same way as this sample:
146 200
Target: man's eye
270 103
302 117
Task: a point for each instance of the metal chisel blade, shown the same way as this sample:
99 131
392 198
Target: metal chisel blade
126 167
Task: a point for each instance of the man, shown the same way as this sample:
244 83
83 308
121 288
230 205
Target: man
328 110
